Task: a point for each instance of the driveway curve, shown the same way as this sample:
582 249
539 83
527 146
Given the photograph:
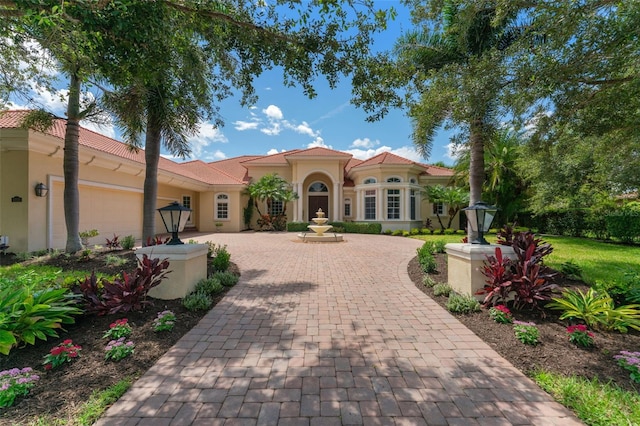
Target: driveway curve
330 334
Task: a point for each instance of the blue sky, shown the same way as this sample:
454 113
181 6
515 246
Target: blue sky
284 119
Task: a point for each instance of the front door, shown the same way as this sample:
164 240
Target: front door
318 202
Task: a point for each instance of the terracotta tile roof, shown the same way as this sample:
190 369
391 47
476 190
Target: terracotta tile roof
317 152
274 159
351 164
437 170
386 158
233 166
93 140
210 174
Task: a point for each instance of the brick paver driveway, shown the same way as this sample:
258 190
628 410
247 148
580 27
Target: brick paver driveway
324 334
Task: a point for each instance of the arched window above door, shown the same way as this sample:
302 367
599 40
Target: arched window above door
318 187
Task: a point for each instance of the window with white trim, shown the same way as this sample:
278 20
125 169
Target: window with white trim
412 180
438 208
222 206
369 181
370 204
393 204
347 207
186 201
277 207
394 179
318 187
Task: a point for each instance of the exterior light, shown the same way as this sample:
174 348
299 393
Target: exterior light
41 190
175 217
479 216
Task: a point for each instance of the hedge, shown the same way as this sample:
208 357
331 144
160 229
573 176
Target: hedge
624 225
348 227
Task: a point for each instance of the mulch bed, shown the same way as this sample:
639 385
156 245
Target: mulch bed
555 353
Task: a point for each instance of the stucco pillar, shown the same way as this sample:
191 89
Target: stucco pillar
406 214
298 216
336 202
464 263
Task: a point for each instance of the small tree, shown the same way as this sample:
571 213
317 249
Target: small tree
454 198
267 189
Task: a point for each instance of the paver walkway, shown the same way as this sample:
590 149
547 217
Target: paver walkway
330 334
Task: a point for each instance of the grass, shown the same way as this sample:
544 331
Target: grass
437 237
600 262
89 412
595 403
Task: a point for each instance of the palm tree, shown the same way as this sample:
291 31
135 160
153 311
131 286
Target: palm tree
267 189
454 197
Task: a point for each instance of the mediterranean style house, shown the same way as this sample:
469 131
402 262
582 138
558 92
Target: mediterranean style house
384 189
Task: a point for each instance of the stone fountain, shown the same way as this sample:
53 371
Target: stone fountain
319 230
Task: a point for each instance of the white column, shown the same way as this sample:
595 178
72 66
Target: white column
380 202
406 215
299 203
336 202
359 205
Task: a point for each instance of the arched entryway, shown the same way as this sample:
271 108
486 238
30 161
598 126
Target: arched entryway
318 198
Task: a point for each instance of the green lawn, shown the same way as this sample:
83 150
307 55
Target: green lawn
599 261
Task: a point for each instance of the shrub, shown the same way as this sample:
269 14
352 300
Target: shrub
85 235
426 258
26 315
625 223
210 285
359 227
428 281
221 258
397 232
624 291
414 231
128 293
441 289
462 304
426 231
449 231
197 301
114 260
439 246
406 233
388 232
498 284
227 279
128 242
297 226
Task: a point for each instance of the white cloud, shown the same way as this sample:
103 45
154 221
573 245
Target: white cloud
245 125
207 135
107 128
273 112
303 129
272 151
364 143
319 143
217 155
454 150
274 130
404 151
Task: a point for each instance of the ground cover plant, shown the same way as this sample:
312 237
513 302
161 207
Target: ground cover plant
77 392
583 374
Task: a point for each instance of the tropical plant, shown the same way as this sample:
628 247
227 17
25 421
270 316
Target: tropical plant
498 284
113 243
501 314
268 189
532 282
128 242
453 197
426 258
27 315
124 294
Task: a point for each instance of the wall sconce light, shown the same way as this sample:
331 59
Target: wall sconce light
41 190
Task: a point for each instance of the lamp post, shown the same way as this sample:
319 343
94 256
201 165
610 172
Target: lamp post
41 190
479 216
174 216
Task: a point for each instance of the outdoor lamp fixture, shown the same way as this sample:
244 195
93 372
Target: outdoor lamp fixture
480 215
41 190
175 217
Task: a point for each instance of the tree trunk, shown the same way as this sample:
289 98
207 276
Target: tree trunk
152 158
71 167
476 166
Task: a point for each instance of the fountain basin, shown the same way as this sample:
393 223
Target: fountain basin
320 229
